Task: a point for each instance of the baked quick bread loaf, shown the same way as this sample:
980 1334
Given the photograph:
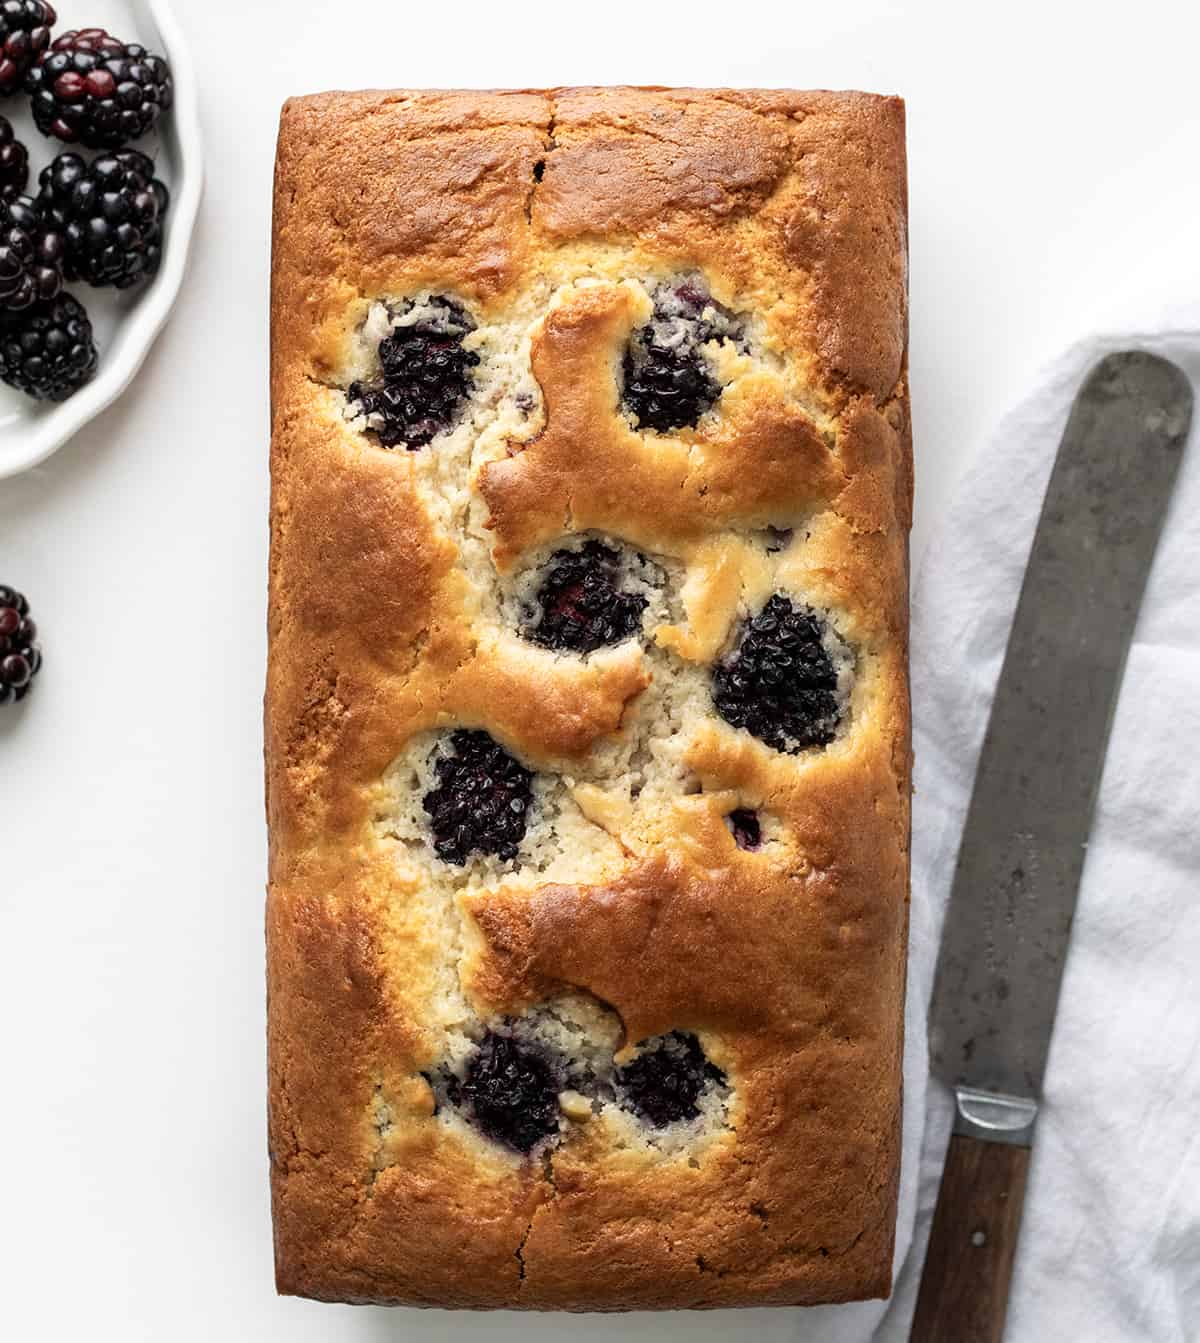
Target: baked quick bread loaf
587 711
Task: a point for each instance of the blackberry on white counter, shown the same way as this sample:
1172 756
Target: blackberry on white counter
91 88
24 34
20 655
48 351
110 214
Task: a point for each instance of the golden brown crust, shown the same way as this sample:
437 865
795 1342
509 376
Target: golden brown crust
793 204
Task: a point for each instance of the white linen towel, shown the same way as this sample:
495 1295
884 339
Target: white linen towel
1110 1242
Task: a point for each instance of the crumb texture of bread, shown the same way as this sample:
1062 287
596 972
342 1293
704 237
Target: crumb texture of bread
587 717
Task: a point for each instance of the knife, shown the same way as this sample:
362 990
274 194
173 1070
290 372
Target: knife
1021 857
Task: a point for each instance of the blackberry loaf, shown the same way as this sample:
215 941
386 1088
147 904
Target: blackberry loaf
587 712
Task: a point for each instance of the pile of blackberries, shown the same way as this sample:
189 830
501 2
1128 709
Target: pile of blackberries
99 222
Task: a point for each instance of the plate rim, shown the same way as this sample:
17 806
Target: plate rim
155 306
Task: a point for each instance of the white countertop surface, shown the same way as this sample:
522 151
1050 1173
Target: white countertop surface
1052 152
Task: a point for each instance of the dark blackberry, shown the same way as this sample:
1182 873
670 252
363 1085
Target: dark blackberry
110 214
667 389
779 683
481 802
666 1080
32 253
510 1091
667 379
14 161
579 605
743 823
91 88
20 656
426 377
24 34
48 352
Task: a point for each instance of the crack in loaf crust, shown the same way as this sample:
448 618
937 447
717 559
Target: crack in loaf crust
387 621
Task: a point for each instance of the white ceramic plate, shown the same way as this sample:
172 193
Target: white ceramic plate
125 323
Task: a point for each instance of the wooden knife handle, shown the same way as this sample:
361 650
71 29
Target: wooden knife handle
972 1243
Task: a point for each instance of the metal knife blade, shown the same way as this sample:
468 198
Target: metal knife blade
1023 846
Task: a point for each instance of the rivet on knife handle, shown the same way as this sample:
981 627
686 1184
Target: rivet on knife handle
1023 846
